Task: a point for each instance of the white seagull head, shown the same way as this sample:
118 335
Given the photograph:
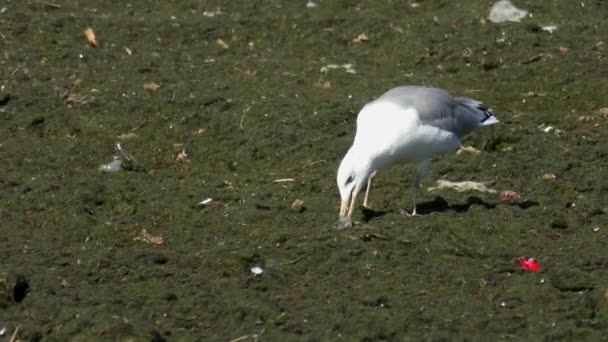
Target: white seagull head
353 172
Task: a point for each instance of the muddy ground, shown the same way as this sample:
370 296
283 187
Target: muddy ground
219 99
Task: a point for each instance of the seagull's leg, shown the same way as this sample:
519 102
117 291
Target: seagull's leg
369 186
420 169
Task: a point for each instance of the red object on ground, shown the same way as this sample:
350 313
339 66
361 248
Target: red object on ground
508 195
528 263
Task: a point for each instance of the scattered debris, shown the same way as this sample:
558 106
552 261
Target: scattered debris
347 66
123 159
211 202
585 118
324 84
548 129
256 270
549 176
504 10
362 38
48 4
312 163
596 229
72 98
463 186
211 14
469 149
283 180
311 4
181 157
125 156
113 166
88 32
564 50
127 136
535 94
241 338
205 202
528 263
222 43
14 335
549 28
508 195
298 205
149 238
533 59
151 86
604 112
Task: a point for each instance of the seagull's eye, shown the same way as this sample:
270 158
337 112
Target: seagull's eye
350 179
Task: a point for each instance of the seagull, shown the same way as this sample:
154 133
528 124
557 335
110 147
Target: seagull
405 124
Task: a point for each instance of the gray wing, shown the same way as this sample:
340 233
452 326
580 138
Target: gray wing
436 107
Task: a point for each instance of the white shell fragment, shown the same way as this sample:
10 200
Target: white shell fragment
311 4
256 270
504 10
113 166
347 66
549 28
206 201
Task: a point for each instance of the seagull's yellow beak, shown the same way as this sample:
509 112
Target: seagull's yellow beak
346 210
344 207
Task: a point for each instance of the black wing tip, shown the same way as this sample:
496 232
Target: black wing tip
487 114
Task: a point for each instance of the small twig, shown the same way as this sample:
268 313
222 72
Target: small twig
15 334
16 69
140 125
533 59
124 155
283 180
48 4
247 109
239 338
314 163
